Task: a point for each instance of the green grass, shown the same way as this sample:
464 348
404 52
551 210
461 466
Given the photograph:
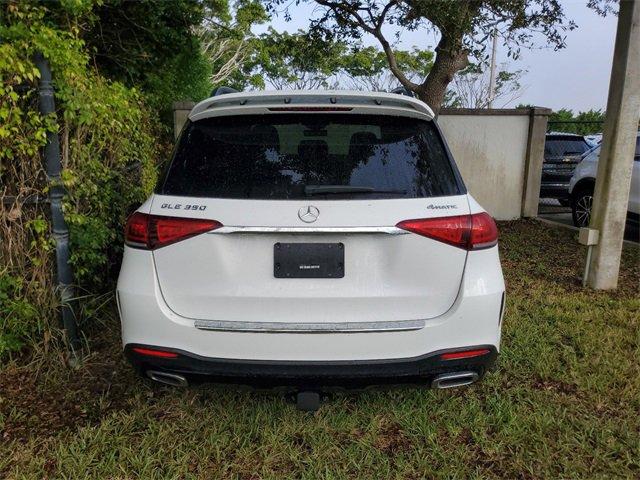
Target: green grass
563 402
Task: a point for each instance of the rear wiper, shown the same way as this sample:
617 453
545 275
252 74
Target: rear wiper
338 189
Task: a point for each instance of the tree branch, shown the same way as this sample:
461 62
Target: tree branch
344 9
393 64
337 7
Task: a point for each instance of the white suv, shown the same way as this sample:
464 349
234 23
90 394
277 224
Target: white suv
582 186
311 239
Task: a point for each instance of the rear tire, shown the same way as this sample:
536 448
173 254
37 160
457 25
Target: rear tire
581 202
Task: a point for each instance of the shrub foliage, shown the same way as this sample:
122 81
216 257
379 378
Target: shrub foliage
108 150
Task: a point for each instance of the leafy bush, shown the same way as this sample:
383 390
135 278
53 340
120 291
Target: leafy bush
151 44
19 318
110 170
108 146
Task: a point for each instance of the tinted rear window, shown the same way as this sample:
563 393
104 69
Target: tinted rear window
293 156
558 147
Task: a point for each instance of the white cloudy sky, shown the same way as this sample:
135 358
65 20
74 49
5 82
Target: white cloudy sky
576 77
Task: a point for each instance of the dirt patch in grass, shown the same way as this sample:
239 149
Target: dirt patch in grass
38 402
40 413
392 440
555 386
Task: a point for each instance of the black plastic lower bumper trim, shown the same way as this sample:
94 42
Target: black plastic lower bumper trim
307 374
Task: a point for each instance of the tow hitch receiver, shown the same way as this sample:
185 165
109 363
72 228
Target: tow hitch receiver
308 401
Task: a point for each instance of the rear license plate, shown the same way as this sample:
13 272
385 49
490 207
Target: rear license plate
308 260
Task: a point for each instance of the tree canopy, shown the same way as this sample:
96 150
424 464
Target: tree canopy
584 123
296 60
368 68
470 87
463 27
304 60
171 50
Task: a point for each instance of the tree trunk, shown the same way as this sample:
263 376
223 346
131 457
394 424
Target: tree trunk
451 57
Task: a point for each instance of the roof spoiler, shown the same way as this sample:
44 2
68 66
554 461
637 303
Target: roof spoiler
263 101
223 90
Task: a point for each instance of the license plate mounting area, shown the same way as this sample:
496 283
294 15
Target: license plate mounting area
308 260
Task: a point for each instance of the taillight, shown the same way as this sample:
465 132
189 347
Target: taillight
484 232
470 232
155 231
136 233
451 230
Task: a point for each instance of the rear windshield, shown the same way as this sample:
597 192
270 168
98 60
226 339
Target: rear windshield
558 147
325 156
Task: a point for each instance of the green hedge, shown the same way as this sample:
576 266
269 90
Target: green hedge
109 142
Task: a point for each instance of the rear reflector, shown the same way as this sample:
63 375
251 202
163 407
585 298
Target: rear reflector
155 231
470 232
464 354
148 352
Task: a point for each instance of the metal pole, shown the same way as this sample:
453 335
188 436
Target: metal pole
53 167
492 71
610 202
585 276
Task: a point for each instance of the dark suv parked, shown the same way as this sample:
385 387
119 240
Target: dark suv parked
562 152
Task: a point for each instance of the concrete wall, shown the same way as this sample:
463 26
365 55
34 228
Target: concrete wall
499 153
491 150
180 115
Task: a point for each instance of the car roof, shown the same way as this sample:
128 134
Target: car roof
310 101
565 135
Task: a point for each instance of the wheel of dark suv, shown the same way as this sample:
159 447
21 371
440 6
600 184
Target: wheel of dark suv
581 202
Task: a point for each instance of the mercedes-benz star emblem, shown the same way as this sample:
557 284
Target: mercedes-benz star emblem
308 214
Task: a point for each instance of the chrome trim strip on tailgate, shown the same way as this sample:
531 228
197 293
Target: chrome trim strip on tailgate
385 230
290 327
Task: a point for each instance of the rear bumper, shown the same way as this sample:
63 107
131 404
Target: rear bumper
419 370
473 319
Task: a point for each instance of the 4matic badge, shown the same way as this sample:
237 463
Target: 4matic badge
442 207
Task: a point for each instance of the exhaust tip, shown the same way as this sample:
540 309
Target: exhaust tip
456 379
167 378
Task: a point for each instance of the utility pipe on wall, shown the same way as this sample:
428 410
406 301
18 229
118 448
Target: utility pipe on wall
53 168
